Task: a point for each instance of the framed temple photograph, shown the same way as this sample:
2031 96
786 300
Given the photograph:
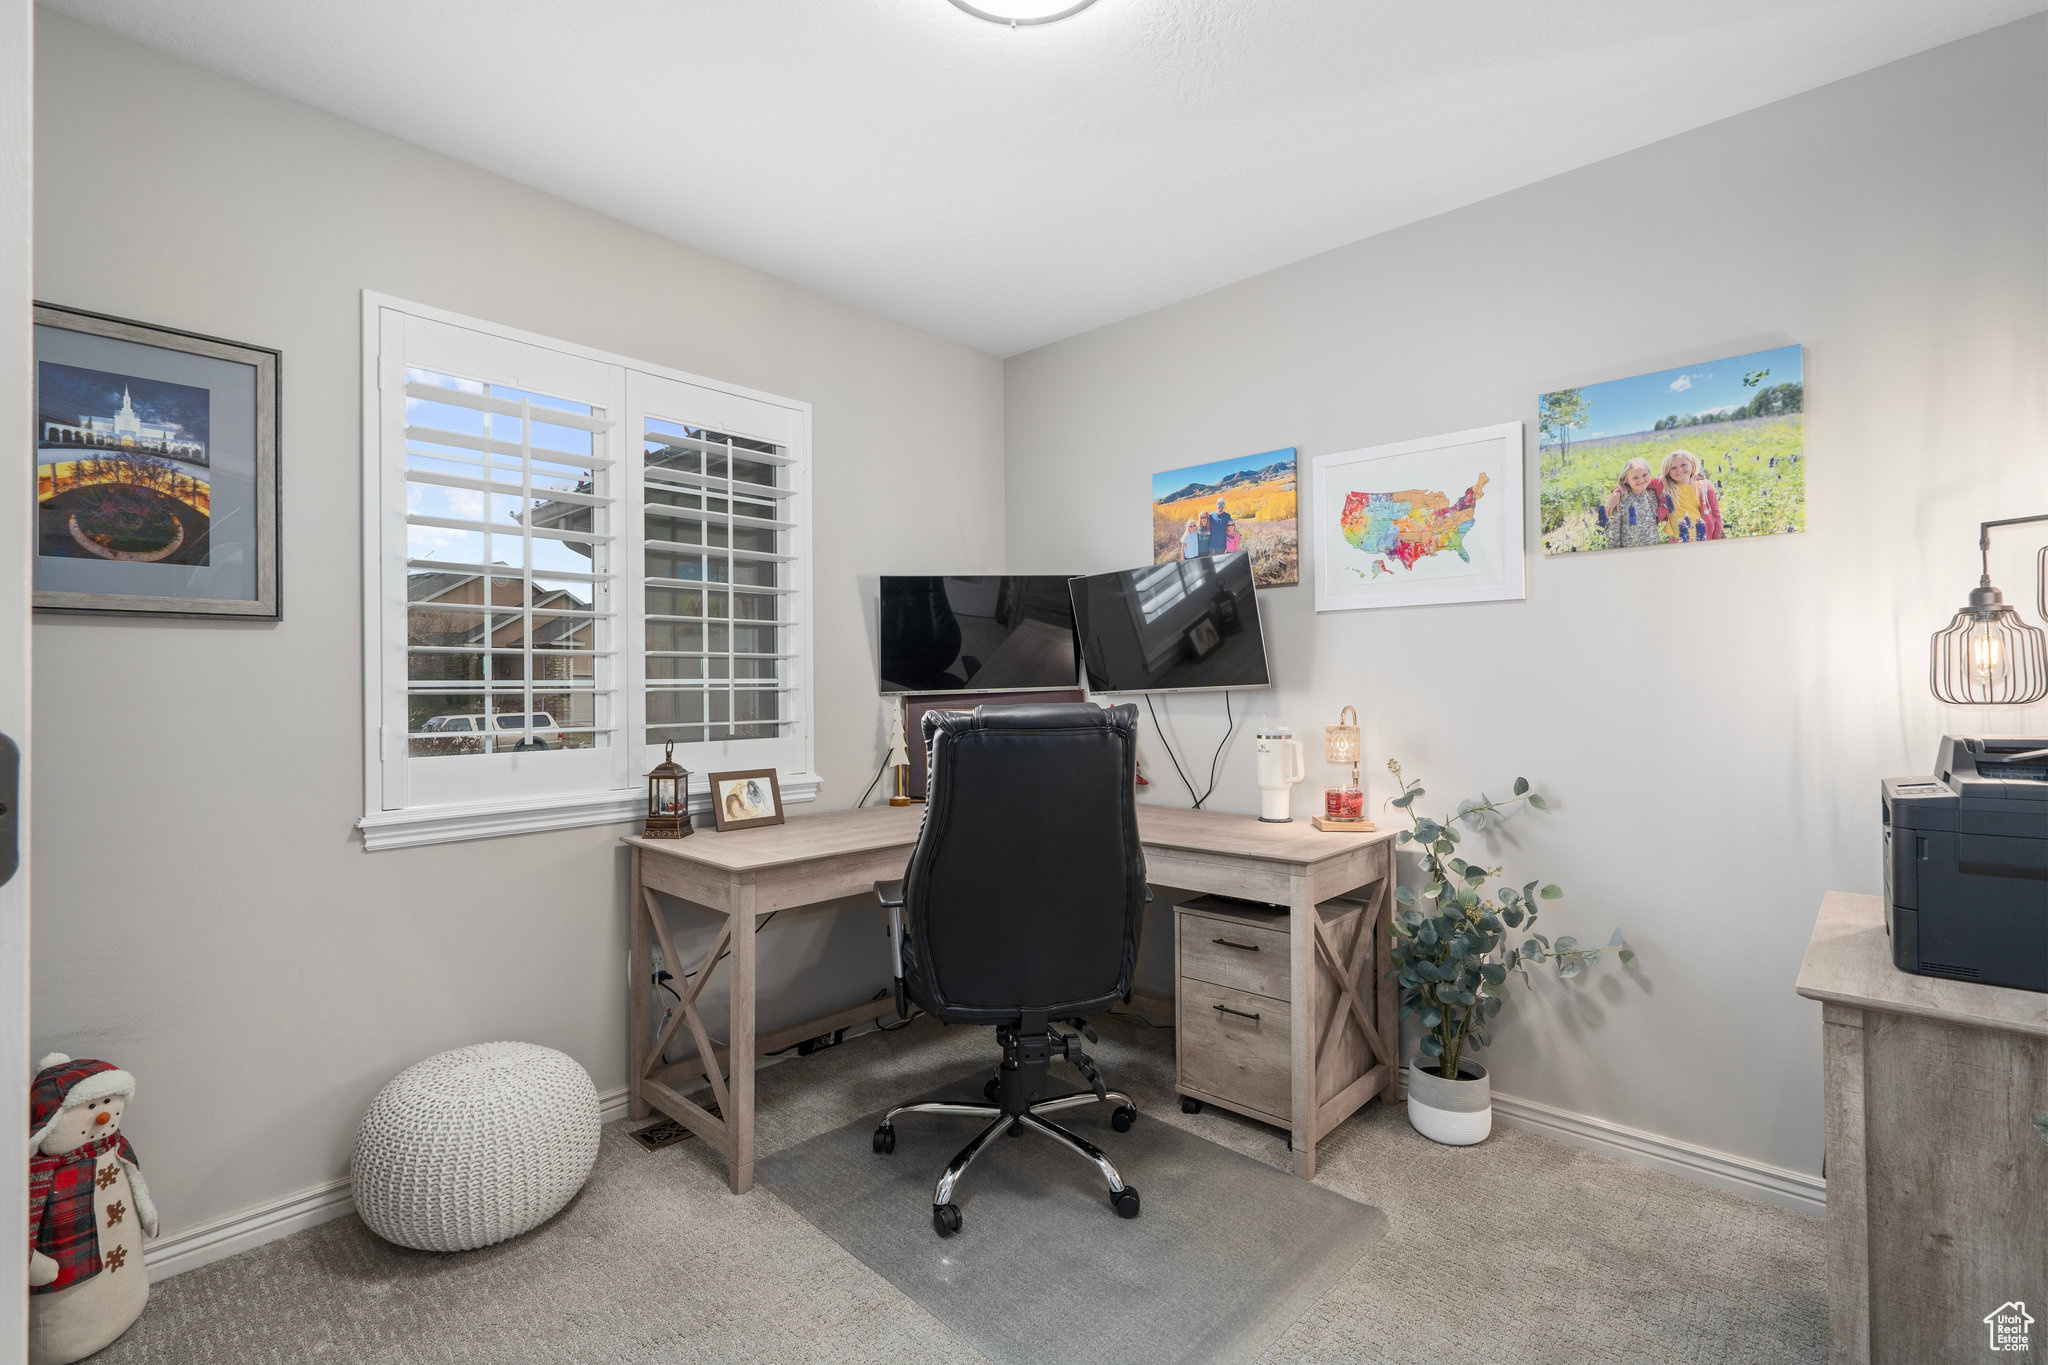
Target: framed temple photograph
1433 520
155 469
745 800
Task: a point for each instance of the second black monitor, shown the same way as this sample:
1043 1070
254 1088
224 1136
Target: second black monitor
1191 625
982 633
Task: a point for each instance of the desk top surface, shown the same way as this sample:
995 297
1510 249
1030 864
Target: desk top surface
1849 962
803 838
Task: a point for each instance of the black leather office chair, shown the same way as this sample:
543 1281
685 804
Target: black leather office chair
1020 909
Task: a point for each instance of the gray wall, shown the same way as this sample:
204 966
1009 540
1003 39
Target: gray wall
205 914
1710 724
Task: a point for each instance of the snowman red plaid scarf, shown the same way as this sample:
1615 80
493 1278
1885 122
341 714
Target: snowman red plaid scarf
62 1224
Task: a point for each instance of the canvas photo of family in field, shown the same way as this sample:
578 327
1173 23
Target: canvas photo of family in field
1680 457
1245 503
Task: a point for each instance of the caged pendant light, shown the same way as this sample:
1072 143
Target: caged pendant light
1988 656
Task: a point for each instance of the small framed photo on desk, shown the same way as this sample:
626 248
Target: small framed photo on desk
745 800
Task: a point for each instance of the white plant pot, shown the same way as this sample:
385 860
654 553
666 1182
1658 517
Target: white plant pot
1457 1112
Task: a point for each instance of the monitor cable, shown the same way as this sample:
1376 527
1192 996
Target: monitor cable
1230 729
871 786
1170 753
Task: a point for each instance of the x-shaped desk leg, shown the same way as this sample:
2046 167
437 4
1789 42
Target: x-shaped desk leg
686 1005
1347 973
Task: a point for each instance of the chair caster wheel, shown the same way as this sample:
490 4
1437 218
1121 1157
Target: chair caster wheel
1125 1202
992 1089
885 1139
946 1218
1123 1118
1188 1106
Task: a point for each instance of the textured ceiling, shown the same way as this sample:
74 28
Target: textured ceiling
1008 187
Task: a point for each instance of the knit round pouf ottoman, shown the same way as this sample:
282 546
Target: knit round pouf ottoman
474 1146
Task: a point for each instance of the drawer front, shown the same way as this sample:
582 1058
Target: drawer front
1243 957
1233 1055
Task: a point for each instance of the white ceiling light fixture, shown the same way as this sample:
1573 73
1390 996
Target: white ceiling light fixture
1017 13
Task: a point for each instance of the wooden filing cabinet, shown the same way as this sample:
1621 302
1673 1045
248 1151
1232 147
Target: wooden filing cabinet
1233 994
1937 1183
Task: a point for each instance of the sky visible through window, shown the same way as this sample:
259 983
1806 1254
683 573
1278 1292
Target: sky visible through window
570 473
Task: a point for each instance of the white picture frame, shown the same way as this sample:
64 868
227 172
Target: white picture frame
1383 562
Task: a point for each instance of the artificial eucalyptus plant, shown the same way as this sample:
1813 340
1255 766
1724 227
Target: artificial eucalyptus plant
1450 942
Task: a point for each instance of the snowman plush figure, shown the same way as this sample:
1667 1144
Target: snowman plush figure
88 1211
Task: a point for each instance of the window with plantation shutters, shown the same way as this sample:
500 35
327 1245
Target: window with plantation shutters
719 514
571 562
509 565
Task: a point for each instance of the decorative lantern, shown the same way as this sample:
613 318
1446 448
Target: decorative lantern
1343 805
668 799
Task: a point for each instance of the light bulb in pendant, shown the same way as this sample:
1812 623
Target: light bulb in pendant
1987 657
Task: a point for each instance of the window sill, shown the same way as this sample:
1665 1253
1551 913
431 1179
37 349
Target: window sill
491 820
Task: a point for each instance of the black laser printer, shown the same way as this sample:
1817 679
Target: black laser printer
1966 863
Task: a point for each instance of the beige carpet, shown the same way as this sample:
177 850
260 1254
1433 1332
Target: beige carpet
1521 1249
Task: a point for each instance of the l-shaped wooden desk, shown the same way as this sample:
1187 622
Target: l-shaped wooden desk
743 875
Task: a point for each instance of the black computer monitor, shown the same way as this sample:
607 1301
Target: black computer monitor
977 633
1191 625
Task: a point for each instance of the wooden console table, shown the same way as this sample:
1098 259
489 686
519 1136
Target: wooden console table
746 874
1937 1180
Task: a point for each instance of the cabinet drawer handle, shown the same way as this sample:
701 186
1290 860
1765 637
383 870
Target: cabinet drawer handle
1242 947
1239 1013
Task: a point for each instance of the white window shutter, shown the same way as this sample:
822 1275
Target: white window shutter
577 560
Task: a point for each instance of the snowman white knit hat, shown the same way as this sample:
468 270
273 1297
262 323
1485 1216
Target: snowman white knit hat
88 1081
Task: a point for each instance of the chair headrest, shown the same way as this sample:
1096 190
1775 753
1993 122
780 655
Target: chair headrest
1033 716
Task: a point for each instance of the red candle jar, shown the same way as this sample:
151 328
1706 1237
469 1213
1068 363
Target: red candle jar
1333 802
1354 804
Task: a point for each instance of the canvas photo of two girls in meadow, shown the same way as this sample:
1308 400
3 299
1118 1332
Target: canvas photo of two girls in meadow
1679 457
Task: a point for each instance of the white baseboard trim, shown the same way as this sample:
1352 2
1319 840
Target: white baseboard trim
1805 1194
238 1232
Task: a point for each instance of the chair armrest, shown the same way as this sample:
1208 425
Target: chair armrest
890 893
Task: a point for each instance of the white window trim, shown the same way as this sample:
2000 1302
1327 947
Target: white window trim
418 825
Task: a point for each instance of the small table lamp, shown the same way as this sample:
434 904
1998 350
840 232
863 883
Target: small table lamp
1343 807
1987 656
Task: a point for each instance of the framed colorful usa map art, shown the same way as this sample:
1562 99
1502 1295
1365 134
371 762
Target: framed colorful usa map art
1427 521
